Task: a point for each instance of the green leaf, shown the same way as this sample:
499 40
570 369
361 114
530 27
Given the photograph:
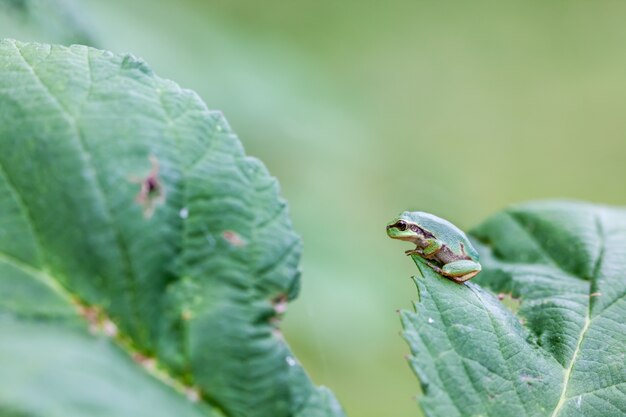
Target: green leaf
562 353
145 260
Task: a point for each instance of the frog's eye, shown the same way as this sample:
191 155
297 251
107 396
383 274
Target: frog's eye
401 225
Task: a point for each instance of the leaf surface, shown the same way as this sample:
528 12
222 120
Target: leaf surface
563 353
134 227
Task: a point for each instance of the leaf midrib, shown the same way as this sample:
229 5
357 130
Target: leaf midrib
506 362
72 120
568 372
41 275
52 283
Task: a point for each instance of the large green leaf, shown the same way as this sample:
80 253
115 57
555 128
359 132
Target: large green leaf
563 353
188 277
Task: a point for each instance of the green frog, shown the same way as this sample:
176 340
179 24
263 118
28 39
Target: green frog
443 246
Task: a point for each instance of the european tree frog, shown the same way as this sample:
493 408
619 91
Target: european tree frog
443 246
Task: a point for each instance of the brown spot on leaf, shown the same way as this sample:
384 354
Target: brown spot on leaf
97 320
280 304
145 361
151 191
193 394
529 379
92 315
89 313
186 315
233 238
109 328
510 302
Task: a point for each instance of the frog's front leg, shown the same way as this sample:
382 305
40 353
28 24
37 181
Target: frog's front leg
434 246
416 251
461 271
429 252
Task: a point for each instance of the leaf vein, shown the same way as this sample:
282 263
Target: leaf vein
99 190
506 362
617 384
446 326
443 390
25 211
544 252
38 274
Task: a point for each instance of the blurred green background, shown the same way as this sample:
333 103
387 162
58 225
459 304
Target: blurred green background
365 109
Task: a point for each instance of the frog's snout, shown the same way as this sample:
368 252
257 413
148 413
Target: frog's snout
392 231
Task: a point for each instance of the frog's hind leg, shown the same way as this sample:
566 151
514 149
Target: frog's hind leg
461 271
434 267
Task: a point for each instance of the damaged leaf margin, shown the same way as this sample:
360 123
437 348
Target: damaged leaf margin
187 290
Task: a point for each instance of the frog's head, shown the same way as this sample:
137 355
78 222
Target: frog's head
406 227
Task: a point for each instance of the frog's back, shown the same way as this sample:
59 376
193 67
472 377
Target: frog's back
444 230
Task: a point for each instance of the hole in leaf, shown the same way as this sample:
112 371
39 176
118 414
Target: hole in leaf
151 191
